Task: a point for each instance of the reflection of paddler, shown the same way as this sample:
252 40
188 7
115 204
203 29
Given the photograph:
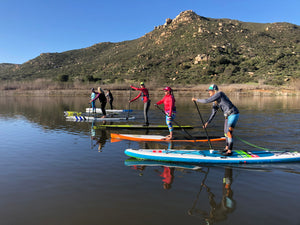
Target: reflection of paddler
217 212
139 168
220 211
228 202
101 140
168 176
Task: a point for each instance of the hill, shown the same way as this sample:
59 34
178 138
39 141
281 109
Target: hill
185 50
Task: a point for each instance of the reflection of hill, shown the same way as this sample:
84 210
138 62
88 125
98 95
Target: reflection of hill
46 112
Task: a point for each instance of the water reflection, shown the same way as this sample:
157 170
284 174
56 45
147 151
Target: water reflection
98 140
165 170
218 211
210 211
52 163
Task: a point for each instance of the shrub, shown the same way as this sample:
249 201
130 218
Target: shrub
63 78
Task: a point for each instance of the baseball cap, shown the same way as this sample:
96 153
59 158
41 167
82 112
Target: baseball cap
213 87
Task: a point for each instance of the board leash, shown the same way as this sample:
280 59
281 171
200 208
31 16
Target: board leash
253 145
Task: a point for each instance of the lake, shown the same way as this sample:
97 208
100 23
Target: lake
54 171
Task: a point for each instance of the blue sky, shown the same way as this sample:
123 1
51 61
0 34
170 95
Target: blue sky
31 27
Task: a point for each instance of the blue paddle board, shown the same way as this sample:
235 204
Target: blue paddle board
212 156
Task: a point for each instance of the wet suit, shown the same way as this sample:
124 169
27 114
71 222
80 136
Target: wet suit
145 98
231 114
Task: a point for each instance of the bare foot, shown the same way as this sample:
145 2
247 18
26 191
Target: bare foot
167 138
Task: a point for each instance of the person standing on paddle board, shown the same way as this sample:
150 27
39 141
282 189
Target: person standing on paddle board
100 94
231 113
93 95
170 109
109 98
145 98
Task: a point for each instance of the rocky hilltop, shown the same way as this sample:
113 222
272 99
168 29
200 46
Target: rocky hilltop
185 50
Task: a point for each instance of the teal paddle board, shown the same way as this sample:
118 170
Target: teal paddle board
212 156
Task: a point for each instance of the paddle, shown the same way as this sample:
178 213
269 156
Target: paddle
190 212
176 123
90 108
129 105
203 125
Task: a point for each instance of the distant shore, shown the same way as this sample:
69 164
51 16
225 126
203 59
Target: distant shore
84 90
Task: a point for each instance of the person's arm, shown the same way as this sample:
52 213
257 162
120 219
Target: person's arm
139 95
97 96
171 106
160 101
135 88
213 98
213 114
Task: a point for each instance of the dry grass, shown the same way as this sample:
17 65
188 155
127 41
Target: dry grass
43 87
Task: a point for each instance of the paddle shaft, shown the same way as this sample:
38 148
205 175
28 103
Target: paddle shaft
203 125
197 198
90 107
176 123
129 104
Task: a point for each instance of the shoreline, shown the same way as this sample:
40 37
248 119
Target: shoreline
232 89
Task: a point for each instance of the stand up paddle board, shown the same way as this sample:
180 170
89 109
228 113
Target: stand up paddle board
138 126
95 119
75 113
98 110
211 156
159 138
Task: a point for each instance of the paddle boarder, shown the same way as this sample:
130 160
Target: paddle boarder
170 110
93 95
231 114
101 96
109 98
144 93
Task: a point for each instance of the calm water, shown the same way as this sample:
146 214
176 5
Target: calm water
57 172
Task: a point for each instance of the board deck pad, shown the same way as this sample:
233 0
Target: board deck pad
212 156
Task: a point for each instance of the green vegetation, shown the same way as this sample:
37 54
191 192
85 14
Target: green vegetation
189 50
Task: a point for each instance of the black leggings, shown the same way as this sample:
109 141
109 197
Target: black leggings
103 104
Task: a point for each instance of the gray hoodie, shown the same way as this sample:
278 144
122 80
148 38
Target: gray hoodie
223 102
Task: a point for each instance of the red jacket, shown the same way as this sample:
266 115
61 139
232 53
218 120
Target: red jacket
169 102
145 93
